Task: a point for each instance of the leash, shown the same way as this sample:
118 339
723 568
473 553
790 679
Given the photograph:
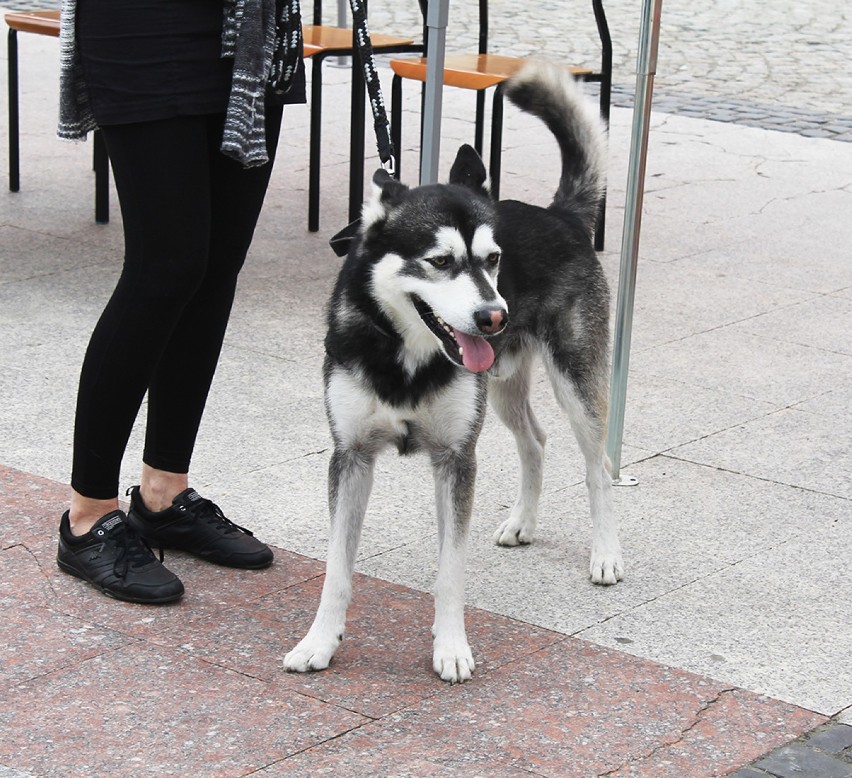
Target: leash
374 87
342 240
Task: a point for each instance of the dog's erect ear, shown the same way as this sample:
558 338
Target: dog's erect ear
392 191
387 193
468 170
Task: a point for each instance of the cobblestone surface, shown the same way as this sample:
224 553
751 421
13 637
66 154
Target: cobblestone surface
781 66
824 753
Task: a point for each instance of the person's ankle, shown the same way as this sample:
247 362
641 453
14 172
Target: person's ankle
158 488
85 512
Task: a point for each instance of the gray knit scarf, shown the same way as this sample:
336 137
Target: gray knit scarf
264 37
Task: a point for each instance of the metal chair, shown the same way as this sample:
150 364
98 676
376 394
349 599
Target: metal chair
46 23
483 70
320 43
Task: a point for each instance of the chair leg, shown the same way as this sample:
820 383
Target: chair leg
356 142
496 140
601 225
605 100
396 122
479 131
14 124
101 163
315 140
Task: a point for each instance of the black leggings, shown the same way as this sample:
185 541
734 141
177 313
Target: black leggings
189 214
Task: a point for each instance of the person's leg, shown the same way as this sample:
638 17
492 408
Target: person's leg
181 381
161 171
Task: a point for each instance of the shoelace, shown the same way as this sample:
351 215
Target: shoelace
132 550
208 511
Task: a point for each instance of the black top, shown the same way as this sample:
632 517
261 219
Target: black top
145 60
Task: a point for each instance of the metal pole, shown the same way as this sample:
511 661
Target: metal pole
646 68
437 14
342 19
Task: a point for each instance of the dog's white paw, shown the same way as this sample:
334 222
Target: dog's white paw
515 531
312 653
606 566
453 660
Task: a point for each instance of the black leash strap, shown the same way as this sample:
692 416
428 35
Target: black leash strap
341 242
374 88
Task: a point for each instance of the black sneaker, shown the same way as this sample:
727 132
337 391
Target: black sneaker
114 559
198 526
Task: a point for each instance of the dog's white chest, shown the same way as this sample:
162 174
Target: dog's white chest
358 416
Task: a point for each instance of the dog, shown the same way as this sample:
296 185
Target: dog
444 300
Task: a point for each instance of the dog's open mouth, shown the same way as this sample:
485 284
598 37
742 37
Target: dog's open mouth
471 351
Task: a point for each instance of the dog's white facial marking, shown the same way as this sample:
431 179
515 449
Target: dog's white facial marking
455 296
483 244
449 242
391 289
453 299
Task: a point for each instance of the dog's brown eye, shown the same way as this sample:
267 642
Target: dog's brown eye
441 261
493 258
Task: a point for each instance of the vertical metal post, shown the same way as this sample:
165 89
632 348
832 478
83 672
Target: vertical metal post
14 115
646 68
342 20
437 14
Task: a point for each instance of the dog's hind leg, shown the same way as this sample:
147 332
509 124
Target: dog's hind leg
455 474
510 399
584 400
350 482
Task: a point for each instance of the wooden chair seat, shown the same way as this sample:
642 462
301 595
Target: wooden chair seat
38 22
321 38
468 71
45 23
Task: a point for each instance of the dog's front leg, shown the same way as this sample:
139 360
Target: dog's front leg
455 474
350 482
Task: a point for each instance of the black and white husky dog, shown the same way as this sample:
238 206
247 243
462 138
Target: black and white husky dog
447 297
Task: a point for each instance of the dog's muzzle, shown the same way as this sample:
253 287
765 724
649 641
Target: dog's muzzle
471 351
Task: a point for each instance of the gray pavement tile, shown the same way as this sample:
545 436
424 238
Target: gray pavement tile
704 529
819 323
687 296
730 360
792 446
753 625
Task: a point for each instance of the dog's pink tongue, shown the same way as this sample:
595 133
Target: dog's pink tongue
477 354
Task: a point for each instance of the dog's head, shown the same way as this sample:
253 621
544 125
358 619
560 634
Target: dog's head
435 263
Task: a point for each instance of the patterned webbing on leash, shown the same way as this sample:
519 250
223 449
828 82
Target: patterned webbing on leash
374 88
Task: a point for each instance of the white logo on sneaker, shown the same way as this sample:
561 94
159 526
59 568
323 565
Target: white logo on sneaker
110 523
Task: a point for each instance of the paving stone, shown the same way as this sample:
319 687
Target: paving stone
798 761
835 739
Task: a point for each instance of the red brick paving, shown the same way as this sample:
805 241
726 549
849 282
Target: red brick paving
91 686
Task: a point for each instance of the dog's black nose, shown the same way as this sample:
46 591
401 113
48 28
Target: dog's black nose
491 320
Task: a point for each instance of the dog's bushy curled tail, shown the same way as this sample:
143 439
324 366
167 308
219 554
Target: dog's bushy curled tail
551 93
